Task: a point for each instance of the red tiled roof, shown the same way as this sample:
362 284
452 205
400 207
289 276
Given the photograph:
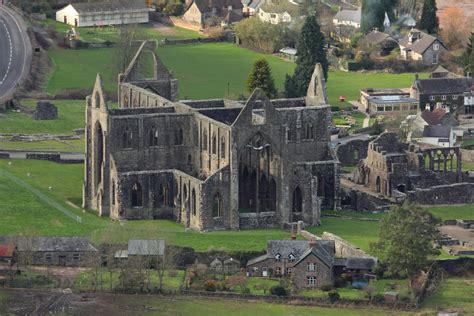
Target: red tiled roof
6 251
433 117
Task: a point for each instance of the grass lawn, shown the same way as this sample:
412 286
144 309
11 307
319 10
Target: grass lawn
75 145
453 211
22 212
70 112
253 283
206 71
357 232
345 293
456 293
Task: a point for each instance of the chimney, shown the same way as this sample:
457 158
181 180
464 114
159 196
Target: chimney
312 243
293 236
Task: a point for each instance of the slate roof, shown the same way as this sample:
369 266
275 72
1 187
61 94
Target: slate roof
438 131
376 37
363 263
256 4
324 250
421 44
349 15
116 5
146 247
284 248
444 85
49 244
206 6
433 117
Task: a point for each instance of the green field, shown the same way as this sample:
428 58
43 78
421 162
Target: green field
453 211
206 71
455 293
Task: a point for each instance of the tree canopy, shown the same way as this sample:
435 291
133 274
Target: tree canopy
261 77
469 56
310 51
406 239
373 13
429 20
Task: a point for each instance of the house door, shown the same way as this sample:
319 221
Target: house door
75 22
264 272
65 19
62 260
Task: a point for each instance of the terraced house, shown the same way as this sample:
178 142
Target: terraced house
210 164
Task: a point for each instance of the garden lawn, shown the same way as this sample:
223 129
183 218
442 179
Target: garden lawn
456 293
453 211
22 212
253 284
205 71
345 293
70 117
75 145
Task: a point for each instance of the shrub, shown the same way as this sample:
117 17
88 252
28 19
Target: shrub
278 290
334 296
378 298
326 287
335 108
172 273
245 290
210 285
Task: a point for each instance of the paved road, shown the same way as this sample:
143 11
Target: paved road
15 52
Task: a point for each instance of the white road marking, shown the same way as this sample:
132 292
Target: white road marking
11 53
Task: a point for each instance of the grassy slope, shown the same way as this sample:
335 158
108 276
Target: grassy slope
453 293
204 70
453 211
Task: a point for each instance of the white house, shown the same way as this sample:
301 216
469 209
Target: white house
440 135
117 12
348 17
274 17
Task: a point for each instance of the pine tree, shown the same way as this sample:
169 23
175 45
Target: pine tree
373 15
310 51
429 21
261 77
290 87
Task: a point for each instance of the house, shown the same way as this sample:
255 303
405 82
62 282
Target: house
7 253
274 16
53 251
387 101
383 41
227 11
348 17
447 92
228 266
117 12
418 45
468 107
441 72
309 264
288 53
439 135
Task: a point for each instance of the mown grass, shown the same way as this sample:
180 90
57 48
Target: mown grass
206 71
446 212
70 117
455 293
74 145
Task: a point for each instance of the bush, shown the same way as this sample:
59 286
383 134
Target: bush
172 273
378 298
326 287
245 290
335 108
278 290
210 285
334 296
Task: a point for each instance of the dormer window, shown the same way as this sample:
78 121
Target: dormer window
277 257
443 97
436 47
432 97
291 257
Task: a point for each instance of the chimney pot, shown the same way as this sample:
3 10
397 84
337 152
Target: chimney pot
312 243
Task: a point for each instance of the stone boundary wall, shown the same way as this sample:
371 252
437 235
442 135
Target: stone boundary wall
47 156
260 220
44 156
343 248
184 24
467 155
191 41
458 193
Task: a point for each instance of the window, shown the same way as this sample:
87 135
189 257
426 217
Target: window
127 138
311 280
432 97
223 147
288 271
455 97
435 58
204 139
443 98
214 144
178 136
48 257
113 193
75 256
137 198
277 270
291 258
153 137
277 257
436 47
311 266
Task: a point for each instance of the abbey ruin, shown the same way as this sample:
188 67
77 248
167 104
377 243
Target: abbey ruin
209 164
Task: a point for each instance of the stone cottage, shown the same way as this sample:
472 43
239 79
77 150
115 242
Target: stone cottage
209 164
226 11
309 264
418 45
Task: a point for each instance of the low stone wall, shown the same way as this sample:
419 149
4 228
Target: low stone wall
44 156
191 41
467 155
362 201
458 193
260 220
344 248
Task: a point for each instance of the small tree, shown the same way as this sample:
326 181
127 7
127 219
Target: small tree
261 77
377 128
406 240
429 20
290 87
469 56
